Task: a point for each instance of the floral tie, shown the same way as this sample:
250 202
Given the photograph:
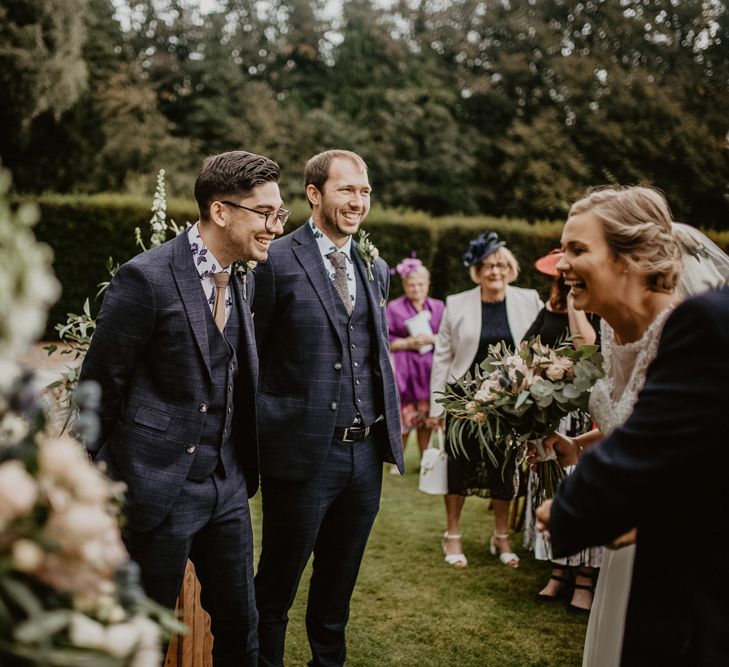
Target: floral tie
339 260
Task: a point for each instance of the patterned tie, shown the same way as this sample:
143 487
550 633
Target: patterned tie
339 260
221 282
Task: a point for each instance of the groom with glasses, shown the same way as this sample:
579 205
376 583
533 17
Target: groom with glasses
270 218
174 353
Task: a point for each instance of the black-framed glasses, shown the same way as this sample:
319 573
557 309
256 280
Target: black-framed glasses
270 218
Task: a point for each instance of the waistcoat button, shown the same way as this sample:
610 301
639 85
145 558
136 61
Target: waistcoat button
191 450
333 406
203 407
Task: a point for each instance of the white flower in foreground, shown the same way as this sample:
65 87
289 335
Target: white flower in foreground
12 429
85 632
9 373
64 462
121 638
27 555
79 525
18 490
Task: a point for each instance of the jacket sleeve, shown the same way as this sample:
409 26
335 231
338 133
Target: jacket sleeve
664 436
124 327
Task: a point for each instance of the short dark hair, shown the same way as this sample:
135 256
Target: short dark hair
232 173
316 171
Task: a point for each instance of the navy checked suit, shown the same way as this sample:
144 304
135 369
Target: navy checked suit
151 353
664 471
320 494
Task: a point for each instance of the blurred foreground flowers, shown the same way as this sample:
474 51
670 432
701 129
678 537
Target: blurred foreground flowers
68 593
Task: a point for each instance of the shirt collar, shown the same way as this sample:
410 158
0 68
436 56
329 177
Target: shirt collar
325 244
205 261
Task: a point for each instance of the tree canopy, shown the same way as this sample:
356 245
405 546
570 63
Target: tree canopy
511 107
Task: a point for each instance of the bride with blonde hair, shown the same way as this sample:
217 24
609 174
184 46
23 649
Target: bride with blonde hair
626 261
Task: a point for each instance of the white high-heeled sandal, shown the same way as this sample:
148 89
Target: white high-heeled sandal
506 557
456 560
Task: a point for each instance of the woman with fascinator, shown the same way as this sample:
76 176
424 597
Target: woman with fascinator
413 321
492 312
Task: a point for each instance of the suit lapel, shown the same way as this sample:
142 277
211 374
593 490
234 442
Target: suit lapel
371 289
248 336
188 284
308 255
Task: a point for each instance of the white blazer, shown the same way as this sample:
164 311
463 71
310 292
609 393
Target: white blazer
460 332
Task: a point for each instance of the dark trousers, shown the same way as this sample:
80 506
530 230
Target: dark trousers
209 524
330 515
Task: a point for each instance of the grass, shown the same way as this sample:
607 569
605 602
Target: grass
412 610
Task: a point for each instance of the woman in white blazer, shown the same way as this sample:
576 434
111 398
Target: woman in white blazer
491 312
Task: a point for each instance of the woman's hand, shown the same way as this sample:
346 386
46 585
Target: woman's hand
624 540
564 447
421 340
411 342
400 344
434 423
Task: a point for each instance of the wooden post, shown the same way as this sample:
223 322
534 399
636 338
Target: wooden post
195 648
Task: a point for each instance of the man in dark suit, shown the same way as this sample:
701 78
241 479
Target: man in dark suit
327 408
174 353
664 473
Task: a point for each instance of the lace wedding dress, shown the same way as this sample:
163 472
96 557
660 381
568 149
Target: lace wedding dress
705 266
611 402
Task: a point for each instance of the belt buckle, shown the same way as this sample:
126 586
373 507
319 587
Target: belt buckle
357 430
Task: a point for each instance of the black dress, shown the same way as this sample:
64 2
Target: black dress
475 474
553 328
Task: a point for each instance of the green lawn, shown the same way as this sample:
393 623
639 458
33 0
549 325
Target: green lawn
413 610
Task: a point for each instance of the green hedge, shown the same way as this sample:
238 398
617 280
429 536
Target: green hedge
84 231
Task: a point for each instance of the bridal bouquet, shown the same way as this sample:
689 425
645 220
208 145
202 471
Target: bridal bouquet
517 397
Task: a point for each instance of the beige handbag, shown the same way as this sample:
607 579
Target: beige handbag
434 466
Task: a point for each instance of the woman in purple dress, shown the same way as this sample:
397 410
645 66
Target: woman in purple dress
413 320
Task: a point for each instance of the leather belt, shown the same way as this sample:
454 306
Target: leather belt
353 433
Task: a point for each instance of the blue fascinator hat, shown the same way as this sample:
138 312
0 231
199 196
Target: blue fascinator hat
481 248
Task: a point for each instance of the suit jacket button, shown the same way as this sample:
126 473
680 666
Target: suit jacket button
191 450
333 406
203 407
338 366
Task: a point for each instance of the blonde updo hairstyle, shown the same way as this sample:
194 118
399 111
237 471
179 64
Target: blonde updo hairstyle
637 225
502 254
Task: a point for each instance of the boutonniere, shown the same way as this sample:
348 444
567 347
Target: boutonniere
367 251
242 269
